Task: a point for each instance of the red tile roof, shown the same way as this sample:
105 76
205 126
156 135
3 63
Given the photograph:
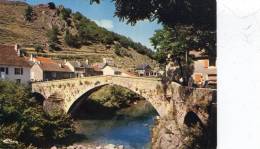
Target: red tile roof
48 64
8 56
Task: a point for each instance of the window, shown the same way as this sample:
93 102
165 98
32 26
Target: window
2 69
18 71
6 70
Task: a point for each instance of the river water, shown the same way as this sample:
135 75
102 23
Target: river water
130 127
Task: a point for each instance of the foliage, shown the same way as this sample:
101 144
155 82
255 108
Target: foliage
28 13
23 120
117 50
200 13
114 96
89 32
51 5
178 41
65 13
52 35
71 40
38 48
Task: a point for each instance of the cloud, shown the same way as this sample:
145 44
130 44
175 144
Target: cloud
108 24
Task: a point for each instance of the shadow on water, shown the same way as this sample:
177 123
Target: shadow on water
129 126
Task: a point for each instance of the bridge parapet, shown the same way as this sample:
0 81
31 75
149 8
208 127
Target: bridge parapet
174 99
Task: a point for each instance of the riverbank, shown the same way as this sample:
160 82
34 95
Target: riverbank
91 146
130 127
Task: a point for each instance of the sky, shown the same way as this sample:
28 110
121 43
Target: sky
103 15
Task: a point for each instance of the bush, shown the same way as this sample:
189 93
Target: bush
28 13
51 5
65 13
38 48
24 121
71 40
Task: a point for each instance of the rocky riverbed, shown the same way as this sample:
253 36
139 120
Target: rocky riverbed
91 146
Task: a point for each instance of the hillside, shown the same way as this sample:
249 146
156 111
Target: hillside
77 36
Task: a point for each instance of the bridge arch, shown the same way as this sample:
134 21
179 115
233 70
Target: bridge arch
39 97
79 98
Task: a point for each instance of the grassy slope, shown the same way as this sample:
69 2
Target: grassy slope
13 29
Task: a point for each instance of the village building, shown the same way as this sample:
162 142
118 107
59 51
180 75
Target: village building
109 70
144 70
50 70
13 66
204 73
78 68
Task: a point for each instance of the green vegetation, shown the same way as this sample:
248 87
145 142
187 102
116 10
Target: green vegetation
28 13
114 97
23 120
53 40
65 13
38 48
51 5
71 40
89 32
201 14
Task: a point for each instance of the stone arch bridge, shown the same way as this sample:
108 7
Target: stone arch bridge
174 99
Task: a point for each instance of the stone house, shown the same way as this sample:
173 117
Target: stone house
204 72
109 70
78 68
109 61
13 66
50 70
144 70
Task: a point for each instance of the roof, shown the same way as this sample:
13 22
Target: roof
48 64
8 56
99 65
76 64
142 66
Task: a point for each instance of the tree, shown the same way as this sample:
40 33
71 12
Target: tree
51 5
200 13
178 41
28 13
38 48
52 35
71 40
65 13
23 119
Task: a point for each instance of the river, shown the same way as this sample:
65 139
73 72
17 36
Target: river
130 127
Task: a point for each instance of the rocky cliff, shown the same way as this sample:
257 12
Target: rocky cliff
192 124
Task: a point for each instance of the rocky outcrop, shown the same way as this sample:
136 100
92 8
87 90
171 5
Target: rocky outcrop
192 124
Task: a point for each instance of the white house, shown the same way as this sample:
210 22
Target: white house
109 70
13 66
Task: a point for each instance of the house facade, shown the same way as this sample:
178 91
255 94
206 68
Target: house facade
204 73
109 70
45 69
78 68
13 66
144 70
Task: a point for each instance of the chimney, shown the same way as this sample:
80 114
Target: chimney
31 58
17 50
16 46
